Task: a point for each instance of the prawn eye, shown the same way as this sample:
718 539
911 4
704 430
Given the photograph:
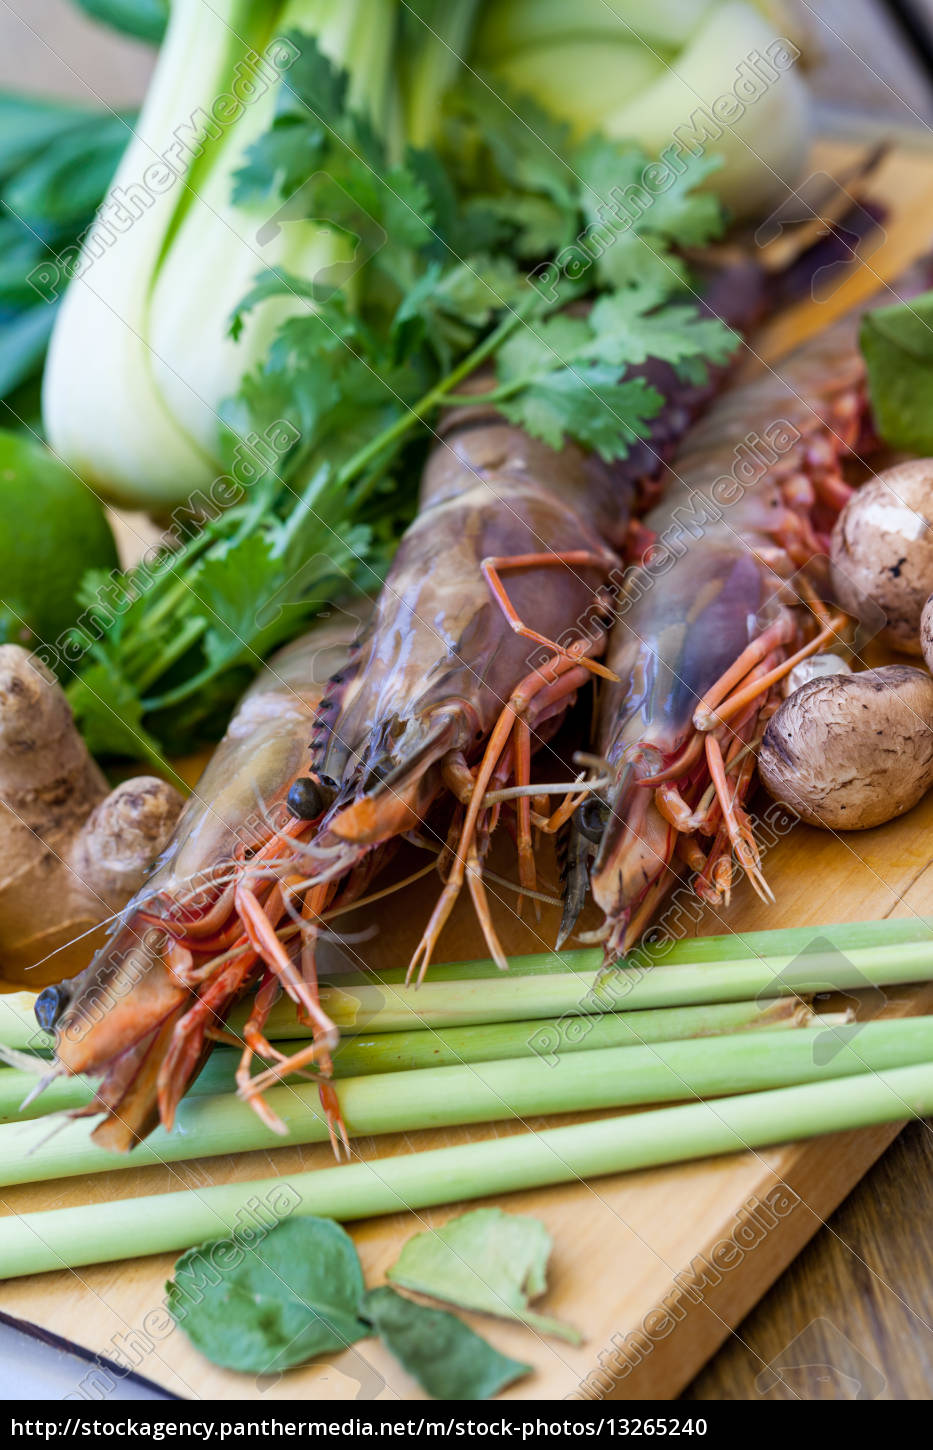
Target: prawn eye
592 816
50 1004
306 799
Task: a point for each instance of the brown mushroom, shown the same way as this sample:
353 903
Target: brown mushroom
882 552
851 751
815 667
926 633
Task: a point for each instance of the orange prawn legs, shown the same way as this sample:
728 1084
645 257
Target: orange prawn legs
542 693
254 936
737 699
305 991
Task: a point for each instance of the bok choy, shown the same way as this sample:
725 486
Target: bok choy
139 362
716 72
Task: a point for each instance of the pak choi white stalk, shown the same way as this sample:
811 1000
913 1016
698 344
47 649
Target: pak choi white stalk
221 247
140 360
511 26
103 411
644 72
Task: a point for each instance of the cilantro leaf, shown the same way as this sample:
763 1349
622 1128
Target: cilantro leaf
109 713
588 406
495 134
629 328
448 309
258 590
563 377
326 162
534 226
541 346
635 225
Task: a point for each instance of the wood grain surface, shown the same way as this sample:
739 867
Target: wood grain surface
851 1318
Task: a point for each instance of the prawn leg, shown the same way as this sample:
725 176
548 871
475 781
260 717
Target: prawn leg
568 670
735 821
257 1046
706 717
493 568
527 875
304 990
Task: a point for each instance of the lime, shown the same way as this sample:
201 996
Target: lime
52 530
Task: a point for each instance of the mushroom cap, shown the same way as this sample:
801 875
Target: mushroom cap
926 633
847 752
882 552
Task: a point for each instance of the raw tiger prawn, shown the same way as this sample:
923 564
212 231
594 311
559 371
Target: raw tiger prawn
442 691
340 748
706 633
143 1015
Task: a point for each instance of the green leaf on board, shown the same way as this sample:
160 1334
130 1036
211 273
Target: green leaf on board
437 1349
897 344
488 1260
274 1305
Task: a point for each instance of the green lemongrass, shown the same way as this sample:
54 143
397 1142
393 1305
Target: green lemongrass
380 1006
61 1094
18 1026
103 1232
402 1051
482 1093
548 1038
788 941
730 968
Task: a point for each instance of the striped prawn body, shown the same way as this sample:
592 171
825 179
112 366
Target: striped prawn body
725 599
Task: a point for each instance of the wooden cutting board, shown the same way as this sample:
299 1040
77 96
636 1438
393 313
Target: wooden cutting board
655 1268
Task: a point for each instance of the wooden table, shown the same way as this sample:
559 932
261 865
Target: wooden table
866 1278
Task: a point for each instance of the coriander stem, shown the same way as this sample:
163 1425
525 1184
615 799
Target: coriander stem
184 639
190 687
418 411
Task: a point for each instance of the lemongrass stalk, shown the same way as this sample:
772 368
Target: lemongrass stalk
548 1038
788 941
103 1232
18 1025
61 1094
403 1051
482 1093
697 970
380 1006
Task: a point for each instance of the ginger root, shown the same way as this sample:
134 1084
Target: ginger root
72 851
